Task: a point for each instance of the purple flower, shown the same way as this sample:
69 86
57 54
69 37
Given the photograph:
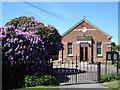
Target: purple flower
35 21
24 25
21 40
23 28
40 49
2 36
11 58
23 51
22 56
15 39
10 50
30 49
24 46
49 26
20 46
26 57
2 27
18 52
6 53
28 43
10 26
43 46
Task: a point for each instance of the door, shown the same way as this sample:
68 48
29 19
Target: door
84 53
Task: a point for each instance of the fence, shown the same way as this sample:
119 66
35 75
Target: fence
76 71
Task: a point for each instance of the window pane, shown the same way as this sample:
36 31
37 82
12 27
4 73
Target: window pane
69 45
98 45
115 56
109 56
69 50
98 50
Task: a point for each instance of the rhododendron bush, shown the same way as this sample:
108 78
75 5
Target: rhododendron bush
49 34
27 46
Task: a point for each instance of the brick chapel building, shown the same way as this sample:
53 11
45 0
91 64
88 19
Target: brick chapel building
85 40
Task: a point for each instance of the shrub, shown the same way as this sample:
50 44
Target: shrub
110 77
36 80
49 34
27 45
103 78
47 80
118 64
31 80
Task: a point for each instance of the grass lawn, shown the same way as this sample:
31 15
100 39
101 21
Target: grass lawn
113 84
39 88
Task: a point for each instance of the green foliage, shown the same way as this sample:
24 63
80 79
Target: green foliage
39 88
25 42
115 47
45 80
31 80
49 34
114 85
48 80
110 77
23 20
103 78
118 63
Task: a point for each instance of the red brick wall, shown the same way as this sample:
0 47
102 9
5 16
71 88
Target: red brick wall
97 36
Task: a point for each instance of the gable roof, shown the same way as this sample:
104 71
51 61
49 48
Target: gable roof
84 20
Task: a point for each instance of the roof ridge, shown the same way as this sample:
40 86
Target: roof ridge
69 30
98 28
72 28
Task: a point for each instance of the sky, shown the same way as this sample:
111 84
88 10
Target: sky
102 14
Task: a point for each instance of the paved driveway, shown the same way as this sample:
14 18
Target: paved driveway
67 87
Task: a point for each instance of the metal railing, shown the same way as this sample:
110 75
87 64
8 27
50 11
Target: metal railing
74 70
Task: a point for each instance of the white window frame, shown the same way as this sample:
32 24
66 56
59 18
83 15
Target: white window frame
67 50
97 47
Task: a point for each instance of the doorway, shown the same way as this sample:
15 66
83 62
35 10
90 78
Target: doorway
83 52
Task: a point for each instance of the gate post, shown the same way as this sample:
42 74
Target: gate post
76 68
98 71
62 56
117 62
118 66
76 62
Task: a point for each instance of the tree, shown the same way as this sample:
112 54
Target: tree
49 34
114 46
27 45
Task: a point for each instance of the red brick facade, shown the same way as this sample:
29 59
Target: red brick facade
97 35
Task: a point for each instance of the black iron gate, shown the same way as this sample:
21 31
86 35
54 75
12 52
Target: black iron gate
74 71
